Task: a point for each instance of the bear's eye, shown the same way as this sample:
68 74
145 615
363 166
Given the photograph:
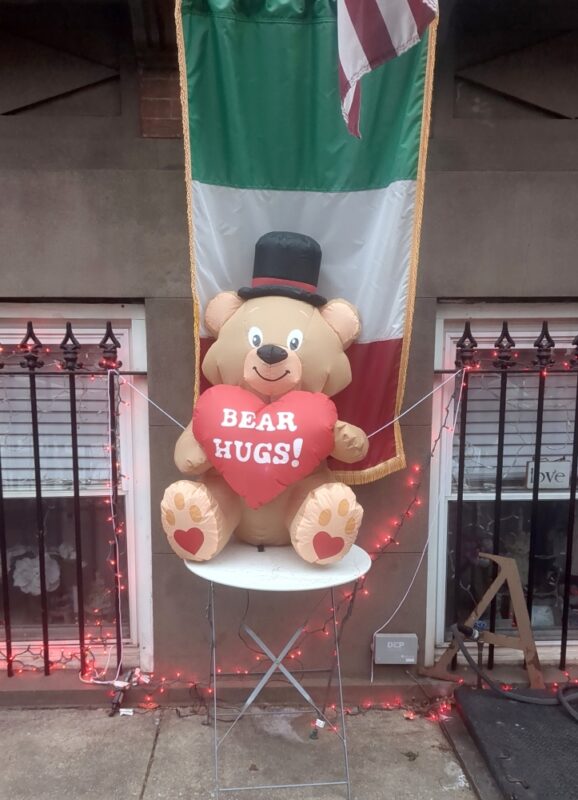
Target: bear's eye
294 339
255 336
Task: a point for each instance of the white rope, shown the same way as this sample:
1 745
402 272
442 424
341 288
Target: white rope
408 590
425 547
417 403
145 397
124 381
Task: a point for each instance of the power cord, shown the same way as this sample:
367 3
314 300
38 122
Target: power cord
563 697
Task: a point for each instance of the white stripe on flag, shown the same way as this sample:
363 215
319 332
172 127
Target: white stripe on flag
400 23
365 236
351 53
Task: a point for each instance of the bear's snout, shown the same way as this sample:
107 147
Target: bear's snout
271 353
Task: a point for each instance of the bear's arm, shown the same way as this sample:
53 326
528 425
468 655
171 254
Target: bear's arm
190 457
351 443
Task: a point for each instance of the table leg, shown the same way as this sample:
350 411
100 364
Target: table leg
275 665
213 685
262 683
340 686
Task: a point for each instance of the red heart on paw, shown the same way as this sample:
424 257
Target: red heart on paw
191 540
326 545
262 448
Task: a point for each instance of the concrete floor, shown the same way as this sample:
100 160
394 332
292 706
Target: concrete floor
158 755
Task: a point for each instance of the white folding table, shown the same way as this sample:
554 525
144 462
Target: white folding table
277 569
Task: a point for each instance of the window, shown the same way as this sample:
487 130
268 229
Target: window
461 585
56 475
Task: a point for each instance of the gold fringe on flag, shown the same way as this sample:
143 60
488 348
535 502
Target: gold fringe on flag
189 190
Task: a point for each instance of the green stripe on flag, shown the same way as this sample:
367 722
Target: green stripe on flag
264 102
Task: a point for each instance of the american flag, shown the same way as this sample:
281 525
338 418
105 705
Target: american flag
369 33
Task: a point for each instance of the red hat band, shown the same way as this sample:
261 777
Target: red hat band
308 287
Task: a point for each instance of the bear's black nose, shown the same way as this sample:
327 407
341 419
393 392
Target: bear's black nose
271 354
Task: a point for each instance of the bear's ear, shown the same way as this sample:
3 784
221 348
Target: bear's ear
220 309
344 319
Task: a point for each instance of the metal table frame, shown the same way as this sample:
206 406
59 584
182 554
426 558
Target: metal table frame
277 665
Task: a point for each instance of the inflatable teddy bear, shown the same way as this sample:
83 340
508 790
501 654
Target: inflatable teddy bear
260 436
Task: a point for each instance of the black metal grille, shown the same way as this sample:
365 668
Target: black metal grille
46 453
518 421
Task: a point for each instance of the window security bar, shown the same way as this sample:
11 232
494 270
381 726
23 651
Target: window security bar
517 435
60 487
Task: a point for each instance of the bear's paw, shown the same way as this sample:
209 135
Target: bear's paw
193 521
326 524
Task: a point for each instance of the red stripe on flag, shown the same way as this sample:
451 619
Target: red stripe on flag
369 400
422 13
371 31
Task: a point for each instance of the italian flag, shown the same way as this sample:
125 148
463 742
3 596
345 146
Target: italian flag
267 149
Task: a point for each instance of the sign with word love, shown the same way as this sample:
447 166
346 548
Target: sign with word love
262 448
553 475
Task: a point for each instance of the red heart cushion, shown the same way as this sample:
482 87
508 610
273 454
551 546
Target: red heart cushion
261 448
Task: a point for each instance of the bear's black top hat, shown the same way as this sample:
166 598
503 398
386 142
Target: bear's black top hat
287 265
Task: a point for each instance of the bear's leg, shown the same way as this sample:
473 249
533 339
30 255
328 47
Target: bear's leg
199 518
326 523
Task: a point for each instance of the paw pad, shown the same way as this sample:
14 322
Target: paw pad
190 540
343 508
195 513
343 511
327 546
351 525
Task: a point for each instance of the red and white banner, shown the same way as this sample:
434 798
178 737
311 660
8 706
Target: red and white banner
371 32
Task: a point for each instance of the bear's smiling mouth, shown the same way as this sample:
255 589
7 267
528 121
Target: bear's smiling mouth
272 380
